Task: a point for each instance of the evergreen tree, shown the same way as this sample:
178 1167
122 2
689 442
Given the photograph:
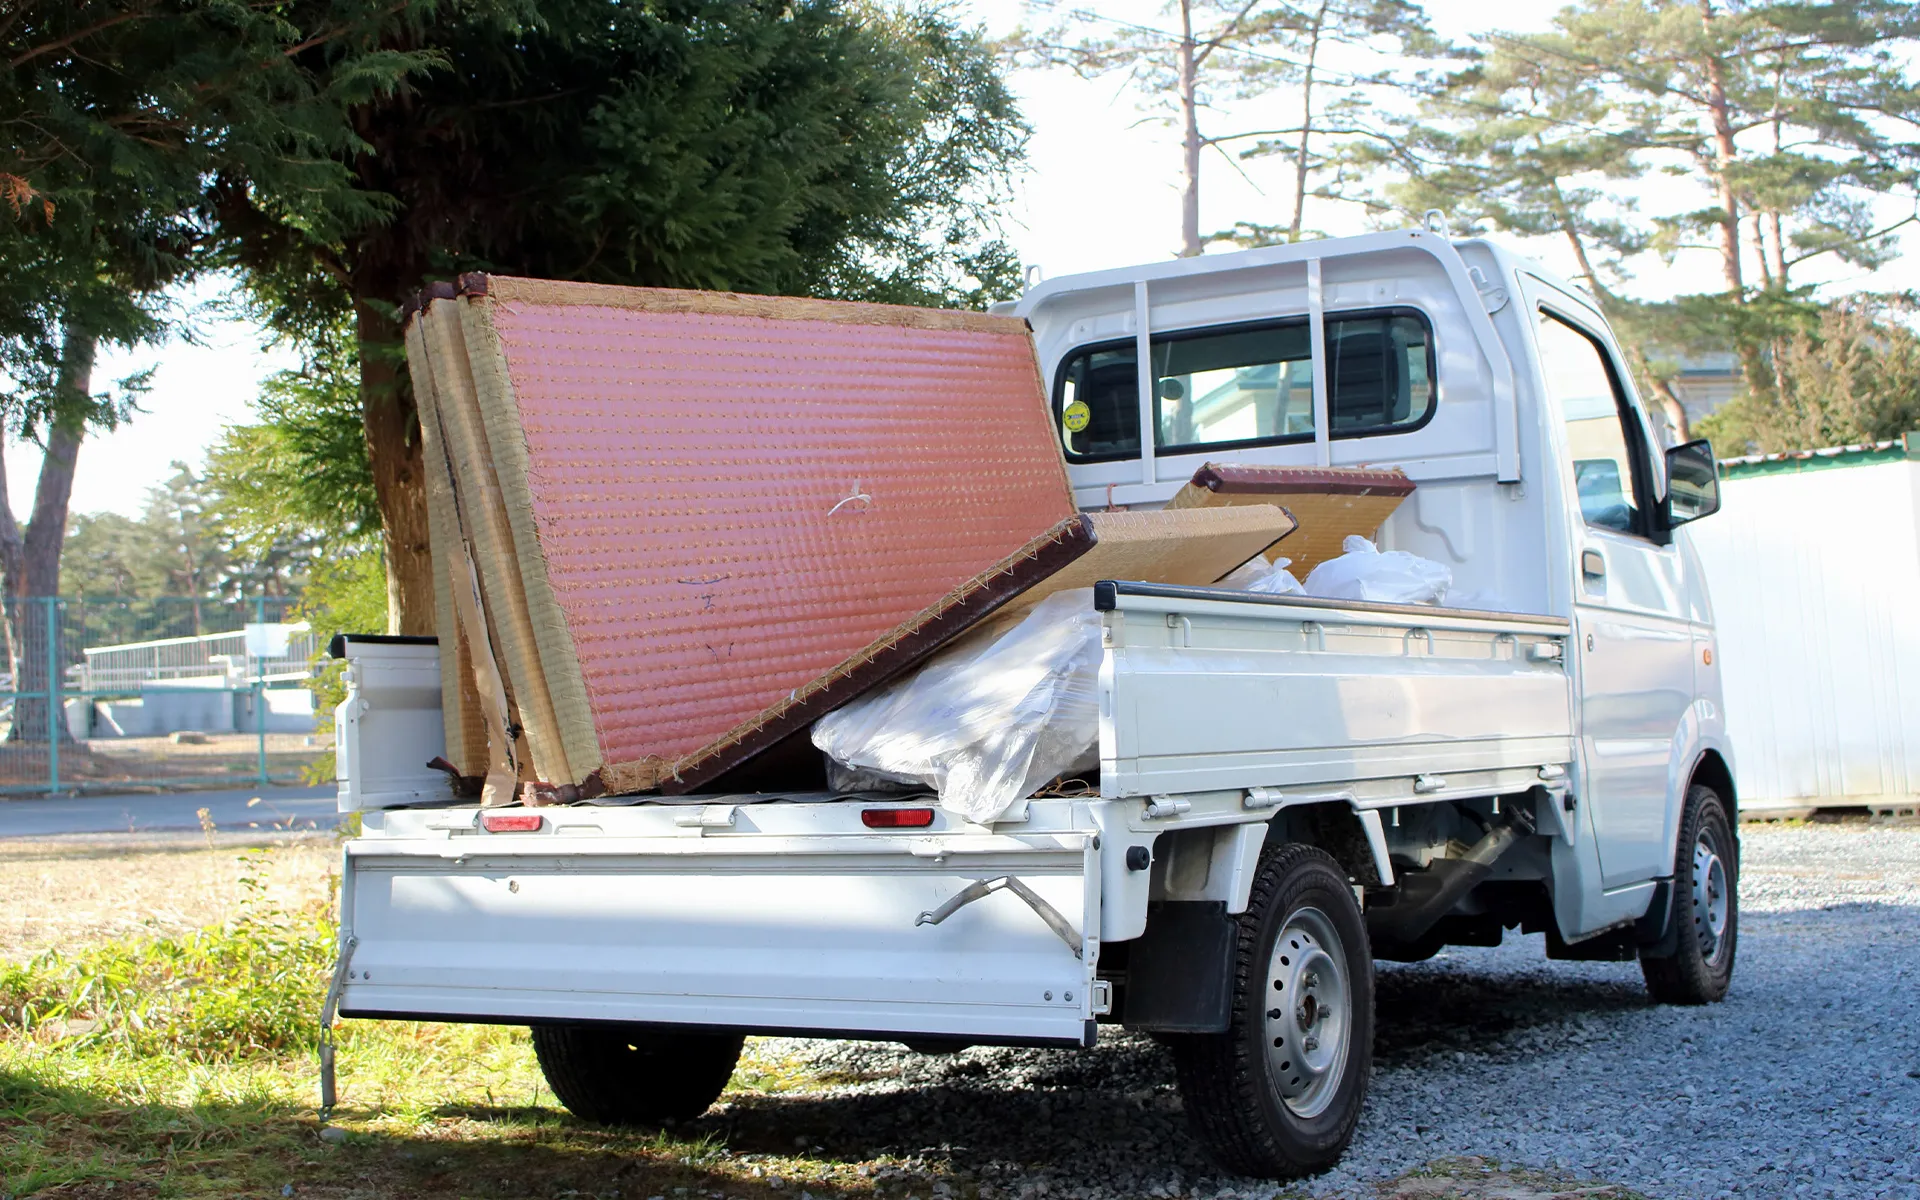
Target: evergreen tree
1852 375
1798 120
1225 50
114 117
782 146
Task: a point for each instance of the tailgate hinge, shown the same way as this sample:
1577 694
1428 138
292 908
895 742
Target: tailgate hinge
982 888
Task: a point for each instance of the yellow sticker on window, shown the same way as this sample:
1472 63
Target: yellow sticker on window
1075 416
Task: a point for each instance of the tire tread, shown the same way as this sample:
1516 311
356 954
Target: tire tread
1222 1084
1684 977
613 1076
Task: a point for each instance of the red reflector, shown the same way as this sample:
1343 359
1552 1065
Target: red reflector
896 818
511 822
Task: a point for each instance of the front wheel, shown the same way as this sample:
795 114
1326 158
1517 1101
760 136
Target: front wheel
1705 908
612 1075
1279 1093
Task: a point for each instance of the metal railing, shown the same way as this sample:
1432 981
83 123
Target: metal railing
206 656
102 695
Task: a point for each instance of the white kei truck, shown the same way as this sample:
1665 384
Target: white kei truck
1289 787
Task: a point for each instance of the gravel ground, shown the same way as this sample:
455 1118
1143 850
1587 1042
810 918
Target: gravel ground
1805 1082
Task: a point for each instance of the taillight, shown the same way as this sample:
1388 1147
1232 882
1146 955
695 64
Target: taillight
511 822
896 818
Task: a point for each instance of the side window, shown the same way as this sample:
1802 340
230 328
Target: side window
1378 375
1600 438
1248 386
1099 405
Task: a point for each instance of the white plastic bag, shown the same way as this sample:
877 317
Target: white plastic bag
1364 573
1278 581
1243 575
988 721
1259 575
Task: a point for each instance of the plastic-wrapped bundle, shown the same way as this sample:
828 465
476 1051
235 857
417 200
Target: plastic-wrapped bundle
1392 577
989 721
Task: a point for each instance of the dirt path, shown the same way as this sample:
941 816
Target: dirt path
92 889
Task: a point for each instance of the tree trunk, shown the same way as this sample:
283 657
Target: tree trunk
1752 360
33 560
1723 155
399 473
1190 144
13 565
1779 250
1306 130
1759 231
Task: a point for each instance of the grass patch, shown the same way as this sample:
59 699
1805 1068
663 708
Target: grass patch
184 1066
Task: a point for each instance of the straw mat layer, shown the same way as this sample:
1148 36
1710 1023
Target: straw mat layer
1328 503
728 514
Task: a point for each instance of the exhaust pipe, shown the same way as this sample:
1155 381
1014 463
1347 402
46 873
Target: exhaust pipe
1426 896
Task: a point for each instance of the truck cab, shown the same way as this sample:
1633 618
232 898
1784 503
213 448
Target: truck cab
1499 390
1289 786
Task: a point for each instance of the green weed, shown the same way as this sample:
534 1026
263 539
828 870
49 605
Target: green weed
251 986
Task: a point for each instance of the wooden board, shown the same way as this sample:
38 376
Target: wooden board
1327 503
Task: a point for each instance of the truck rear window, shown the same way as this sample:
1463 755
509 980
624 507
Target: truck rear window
1249 385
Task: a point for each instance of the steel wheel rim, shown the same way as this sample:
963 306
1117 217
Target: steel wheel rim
1309 1016
1712 899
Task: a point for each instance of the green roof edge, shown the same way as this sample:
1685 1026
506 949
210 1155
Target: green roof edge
1907 449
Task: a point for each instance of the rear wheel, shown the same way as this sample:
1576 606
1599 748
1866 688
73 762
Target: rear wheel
1706 889
616 1076
1278 1094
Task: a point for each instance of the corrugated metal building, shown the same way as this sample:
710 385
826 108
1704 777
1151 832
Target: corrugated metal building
1814 566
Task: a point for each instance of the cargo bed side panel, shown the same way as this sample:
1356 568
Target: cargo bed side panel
1211 694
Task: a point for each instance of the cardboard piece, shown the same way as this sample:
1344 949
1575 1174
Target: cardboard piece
1327 503
677 526
1193 546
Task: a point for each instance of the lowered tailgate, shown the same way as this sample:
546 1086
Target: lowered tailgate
768 917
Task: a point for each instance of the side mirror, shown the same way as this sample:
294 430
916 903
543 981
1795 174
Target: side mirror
1693 483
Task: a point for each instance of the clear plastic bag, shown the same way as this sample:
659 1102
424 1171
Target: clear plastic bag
990 720
1365 573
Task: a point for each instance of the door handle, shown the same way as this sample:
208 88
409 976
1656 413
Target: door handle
1592 564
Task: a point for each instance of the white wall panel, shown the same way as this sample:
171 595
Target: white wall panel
1815 577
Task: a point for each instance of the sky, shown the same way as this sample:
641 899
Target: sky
1100 190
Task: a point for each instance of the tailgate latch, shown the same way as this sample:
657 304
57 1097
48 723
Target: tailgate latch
705 817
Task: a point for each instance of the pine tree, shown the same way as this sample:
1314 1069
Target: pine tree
1797 120
1223 50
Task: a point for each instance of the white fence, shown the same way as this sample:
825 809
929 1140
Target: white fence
210 660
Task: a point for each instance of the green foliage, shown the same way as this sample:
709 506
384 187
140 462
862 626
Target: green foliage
1848 375
117 120
802 147
300 475
184 545
249 987
1795 121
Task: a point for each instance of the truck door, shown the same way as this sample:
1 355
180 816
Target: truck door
1634 640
